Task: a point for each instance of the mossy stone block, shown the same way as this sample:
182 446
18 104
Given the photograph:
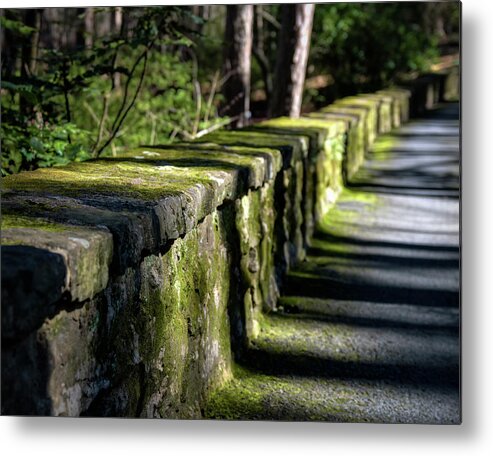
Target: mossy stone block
86 255
291 148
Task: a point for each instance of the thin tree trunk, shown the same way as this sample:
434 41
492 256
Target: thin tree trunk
9 51
27 53
238 49
118 26
440 21
198 10
293 48
71 27
89 27
35 40
259 51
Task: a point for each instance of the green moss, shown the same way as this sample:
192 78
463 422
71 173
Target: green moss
349 194
153 176
197 150
241 398
343 108
396 92
292 148
347 117
259 164
125 179
350 206
19 221
294 336
368 101
182 318
57 324
382 149
13 241
339 215
154 323
88 250
253 394
331 127
252 138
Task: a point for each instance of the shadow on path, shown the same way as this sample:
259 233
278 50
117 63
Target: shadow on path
368 326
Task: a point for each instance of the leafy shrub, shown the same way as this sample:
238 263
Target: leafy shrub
41 145
365 46
132 85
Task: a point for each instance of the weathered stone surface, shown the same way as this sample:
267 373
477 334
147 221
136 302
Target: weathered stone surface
106 358
364 124
85 254
288 189
255 219
33 281
451 85
324 136
147 200
385 110
371 108
133 232
129 284
252 166
354 150
292 149
318 130
151 345
366 333
400 112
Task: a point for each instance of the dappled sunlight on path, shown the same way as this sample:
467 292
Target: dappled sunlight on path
368 326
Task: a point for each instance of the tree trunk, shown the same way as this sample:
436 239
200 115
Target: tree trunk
9 50
118 29
32 18
259 51
293 48
35 40
89 28
238 49
198 10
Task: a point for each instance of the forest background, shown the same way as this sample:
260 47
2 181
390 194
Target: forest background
79 83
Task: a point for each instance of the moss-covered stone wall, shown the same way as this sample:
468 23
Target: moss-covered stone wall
130 285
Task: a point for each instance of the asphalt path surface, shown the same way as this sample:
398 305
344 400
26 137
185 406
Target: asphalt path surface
368 327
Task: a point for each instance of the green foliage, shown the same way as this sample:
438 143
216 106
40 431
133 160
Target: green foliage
41 145
172 105
15 26
367 45
157 77
137 79
166 108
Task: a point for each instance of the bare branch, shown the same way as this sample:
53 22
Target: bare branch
173 134
153 128
198 104
178 130
223 80
127 86
212 93
132 102
228 121
271 19
104 116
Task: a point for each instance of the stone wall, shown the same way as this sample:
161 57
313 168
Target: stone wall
131 284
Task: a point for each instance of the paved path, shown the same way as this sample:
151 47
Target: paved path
369 325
